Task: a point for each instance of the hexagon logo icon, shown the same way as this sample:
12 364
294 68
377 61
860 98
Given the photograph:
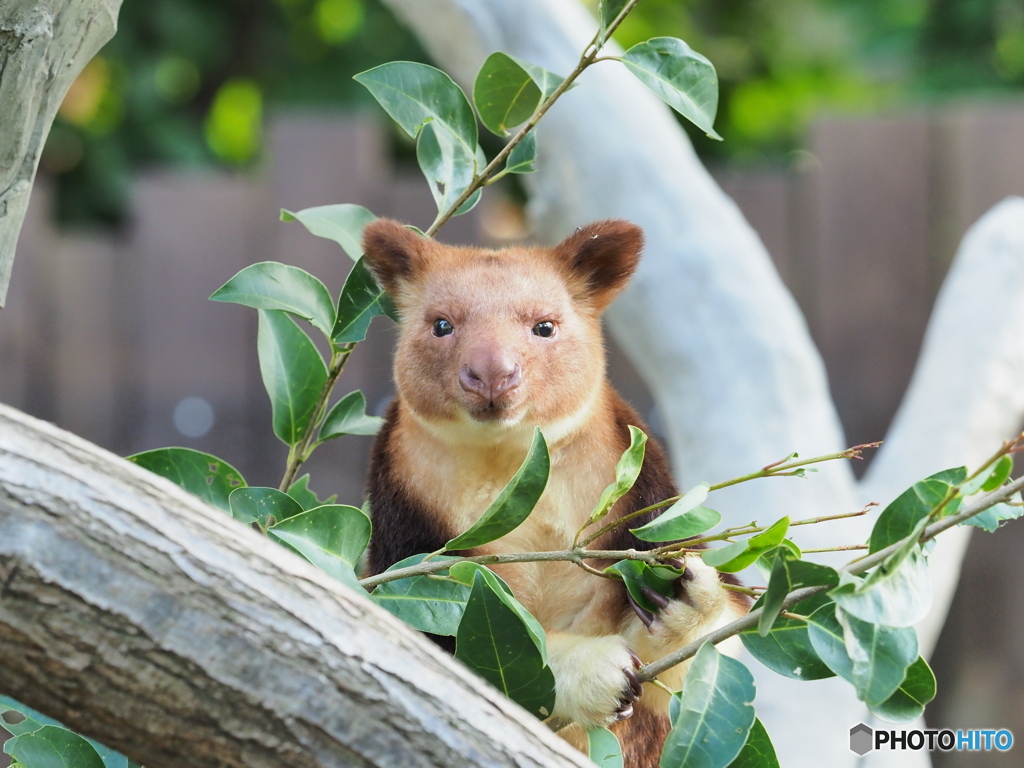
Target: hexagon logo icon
861 739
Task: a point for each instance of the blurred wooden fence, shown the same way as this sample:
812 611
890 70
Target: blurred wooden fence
112 336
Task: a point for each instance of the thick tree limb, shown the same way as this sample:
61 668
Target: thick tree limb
138 615
44 44
967 394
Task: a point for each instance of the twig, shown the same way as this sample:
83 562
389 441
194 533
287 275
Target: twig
794 616
812 520
586 59
299 452
577 556
781 468
654 669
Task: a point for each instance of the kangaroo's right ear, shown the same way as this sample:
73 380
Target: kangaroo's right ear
393 253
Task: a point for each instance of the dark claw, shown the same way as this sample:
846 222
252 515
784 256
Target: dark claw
636 659
624 713
645 616
635 686
677 562
655 597
688 575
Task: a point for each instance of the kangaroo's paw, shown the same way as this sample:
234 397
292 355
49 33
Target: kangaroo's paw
595 678
699 600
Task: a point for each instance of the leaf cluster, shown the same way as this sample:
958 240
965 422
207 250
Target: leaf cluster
41 742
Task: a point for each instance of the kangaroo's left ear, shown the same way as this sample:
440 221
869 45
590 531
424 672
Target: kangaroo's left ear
601 257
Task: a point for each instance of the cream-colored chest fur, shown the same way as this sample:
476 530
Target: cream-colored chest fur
461 480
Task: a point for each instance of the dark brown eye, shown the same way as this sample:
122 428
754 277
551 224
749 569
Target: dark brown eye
442 327
544 330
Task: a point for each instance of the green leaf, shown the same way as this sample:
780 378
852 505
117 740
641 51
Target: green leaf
678 527
793 549
804 573
110 758
779 585
909 700
344 224
293 372
259 505
523 155
627 470
201 474
53 747
988 481
17 719
609 10
826 636
332 537
515 502
349 417
415 94
679 76
952 476
787 648
872 657
466 573
430 604
999 475
637 574
493 641
447 165
758 752
880 656
714 714
361 300
907 510
897 596
508 91
603 748
307 499
683 519
972 486
996 515
435 111
735 557
270 285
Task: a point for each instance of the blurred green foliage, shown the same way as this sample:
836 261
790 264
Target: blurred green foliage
189 81
781 62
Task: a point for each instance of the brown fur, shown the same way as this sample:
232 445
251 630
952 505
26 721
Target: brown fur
468 401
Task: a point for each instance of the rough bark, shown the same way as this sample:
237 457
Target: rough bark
140 616
44 44
720 341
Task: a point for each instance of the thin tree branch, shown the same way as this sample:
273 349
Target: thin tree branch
588 57
654 669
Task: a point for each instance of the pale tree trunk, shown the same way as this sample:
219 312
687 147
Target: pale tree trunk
44 44
720 341
142 617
